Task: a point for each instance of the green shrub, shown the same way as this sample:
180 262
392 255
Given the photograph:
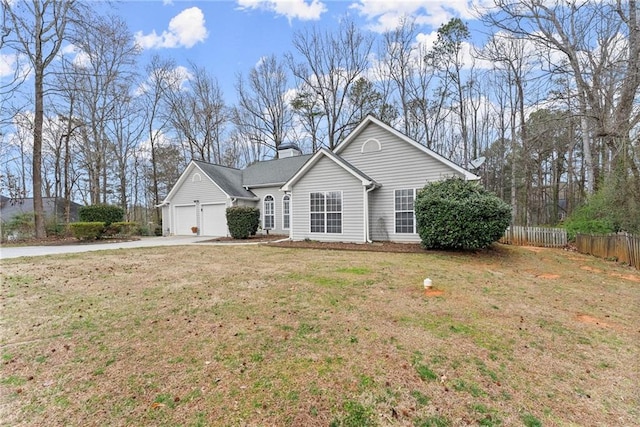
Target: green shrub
588 226
122 228
255 221
241 221
596 215
55 228
20 226
87 230
458 214
101 213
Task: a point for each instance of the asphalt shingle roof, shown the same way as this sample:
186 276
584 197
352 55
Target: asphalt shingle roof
277 171
228 179
12 207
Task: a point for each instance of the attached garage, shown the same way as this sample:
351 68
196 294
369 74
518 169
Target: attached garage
185 217
213 219
200 199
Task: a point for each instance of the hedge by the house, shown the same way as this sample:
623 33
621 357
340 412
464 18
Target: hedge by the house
122 228
87 230
243 221
101 213
458 214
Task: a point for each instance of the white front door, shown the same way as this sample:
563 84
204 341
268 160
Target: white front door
214 220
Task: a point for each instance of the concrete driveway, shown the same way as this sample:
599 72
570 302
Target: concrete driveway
144 242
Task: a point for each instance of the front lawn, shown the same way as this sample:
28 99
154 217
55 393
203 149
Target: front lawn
255 335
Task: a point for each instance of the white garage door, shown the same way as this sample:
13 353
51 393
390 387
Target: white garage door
214 220
185 218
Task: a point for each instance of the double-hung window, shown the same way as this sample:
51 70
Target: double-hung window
269 213
404 211
326 212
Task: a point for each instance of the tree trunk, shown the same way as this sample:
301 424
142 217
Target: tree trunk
38 208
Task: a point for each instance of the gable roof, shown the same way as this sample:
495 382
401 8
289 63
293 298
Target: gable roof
272 172
372 120
323 152
236 183
229 180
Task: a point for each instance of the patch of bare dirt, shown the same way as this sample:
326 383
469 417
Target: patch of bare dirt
631 277
433 292
591 320
548 276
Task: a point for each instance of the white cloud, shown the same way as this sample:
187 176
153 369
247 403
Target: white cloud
185 30
176 79
80 58
14 65
291 9
387 14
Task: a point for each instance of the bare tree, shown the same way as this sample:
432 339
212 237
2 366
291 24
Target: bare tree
331 63
101 74
162 79
262 105
309 113
38 29
400 59
124 134
599 43
198 115
446 55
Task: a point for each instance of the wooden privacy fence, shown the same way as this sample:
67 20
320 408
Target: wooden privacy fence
621 247
535 236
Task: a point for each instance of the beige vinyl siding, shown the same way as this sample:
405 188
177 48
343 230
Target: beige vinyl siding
326 176
277 197
397 166
201 188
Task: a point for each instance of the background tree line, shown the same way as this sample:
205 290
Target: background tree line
550 100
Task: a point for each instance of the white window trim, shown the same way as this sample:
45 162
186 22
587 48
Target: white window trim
325 212
415 225
264 212
286 197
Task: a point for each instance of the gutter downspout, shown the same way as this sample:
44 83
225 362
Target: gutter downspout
366 211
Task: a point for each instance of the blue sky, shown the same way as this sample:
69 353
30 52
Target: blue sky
227 37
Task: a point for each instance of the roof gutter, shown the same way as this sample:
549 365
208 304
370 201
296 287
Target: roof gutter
164 203
272 184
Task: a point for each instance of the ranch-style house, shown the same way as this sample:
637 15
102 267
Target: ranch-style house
362 191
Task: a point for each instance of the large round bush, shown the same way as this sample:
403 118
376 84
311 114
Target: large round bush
243 221
458 214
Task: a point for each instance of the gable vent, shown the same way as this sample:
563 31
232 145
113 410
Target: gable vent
371 145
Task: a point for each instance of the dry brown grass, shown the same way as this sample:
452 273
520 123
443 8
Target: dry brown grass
206 335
